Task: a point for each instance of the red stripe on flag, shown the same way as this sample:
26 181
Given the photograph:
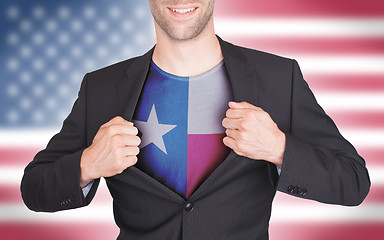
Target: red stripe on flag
373 156
59 231
278 231
17 155
356 119
344 83
298 8
319 46
10 194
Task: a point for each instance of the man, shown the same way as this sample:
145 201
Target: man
191 138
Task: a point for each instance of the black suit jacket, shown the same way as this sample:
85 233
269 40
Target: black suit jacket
235 201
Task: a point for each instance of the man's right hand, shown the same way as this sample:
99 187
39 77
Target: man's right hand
114 148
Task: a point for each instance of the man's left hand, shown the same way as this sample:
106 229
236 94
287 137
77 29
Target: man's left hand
252 133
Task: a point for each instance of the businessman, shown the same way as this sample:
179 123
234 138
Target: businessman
194 138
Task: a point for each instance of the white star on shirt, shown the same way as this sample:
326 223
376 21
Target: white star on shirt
153 131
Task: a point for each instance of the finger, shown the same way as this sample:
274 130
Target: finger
230 142
235 113
129 161
130 141
232 133
242 105
130 151
231 123
123 151
119 141
121 129
117 120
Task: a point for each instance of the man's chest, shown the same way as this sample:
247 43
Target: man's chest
180 124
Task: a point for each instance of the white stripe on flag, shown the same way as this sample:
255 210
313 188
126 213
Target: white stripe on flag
339 64
351 101
327 213
92 213
26 137
299 27
359 137
364 138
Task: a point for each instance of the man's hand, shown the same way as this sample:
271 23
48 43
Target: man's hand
113 149
252 133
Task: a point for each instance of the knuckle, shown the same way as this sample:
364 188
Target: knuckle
240 147
120 165
264 116
116 139
243 124
112 129
249 114
118 119
243 135
116 154
237 145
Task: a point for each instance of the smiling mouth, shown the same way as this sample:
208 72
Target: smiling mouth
183 11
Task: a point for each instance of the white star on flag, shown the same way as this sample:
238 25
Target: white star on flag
153 131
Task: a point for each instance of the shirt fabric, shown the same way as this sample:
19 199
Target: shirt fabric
179 119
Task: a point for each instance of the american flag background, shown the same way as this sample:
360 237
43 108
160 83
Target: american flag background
48 46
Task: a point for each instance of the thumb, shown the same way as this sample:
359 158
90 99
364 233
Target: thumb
241 105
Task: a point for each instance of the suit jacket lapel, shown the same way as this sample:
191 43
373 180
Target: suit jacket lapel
242 75
129 89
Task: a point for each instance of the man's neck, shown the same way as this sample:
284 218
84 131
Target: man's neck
188 58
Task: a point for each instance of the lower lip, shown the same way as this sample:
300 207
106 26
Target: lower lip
182 15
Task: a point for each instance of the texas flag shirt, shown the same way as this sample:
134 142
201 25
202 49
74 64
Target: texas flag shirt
179 119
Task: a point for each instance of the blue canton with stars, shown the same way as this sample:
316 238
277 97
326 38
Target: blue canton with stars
162 116
48 46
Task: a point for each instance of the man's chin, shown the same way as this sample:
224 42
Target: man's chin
185 36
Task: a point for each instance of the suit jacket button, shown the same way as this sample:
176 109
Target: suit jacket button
302 192
291 189
189 207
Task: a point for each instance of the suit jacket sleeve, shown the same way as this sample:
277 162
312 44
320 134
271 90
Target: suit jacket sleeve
318 162
51 182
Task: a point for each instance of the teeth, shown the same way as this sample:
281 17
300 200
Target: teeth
182 11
